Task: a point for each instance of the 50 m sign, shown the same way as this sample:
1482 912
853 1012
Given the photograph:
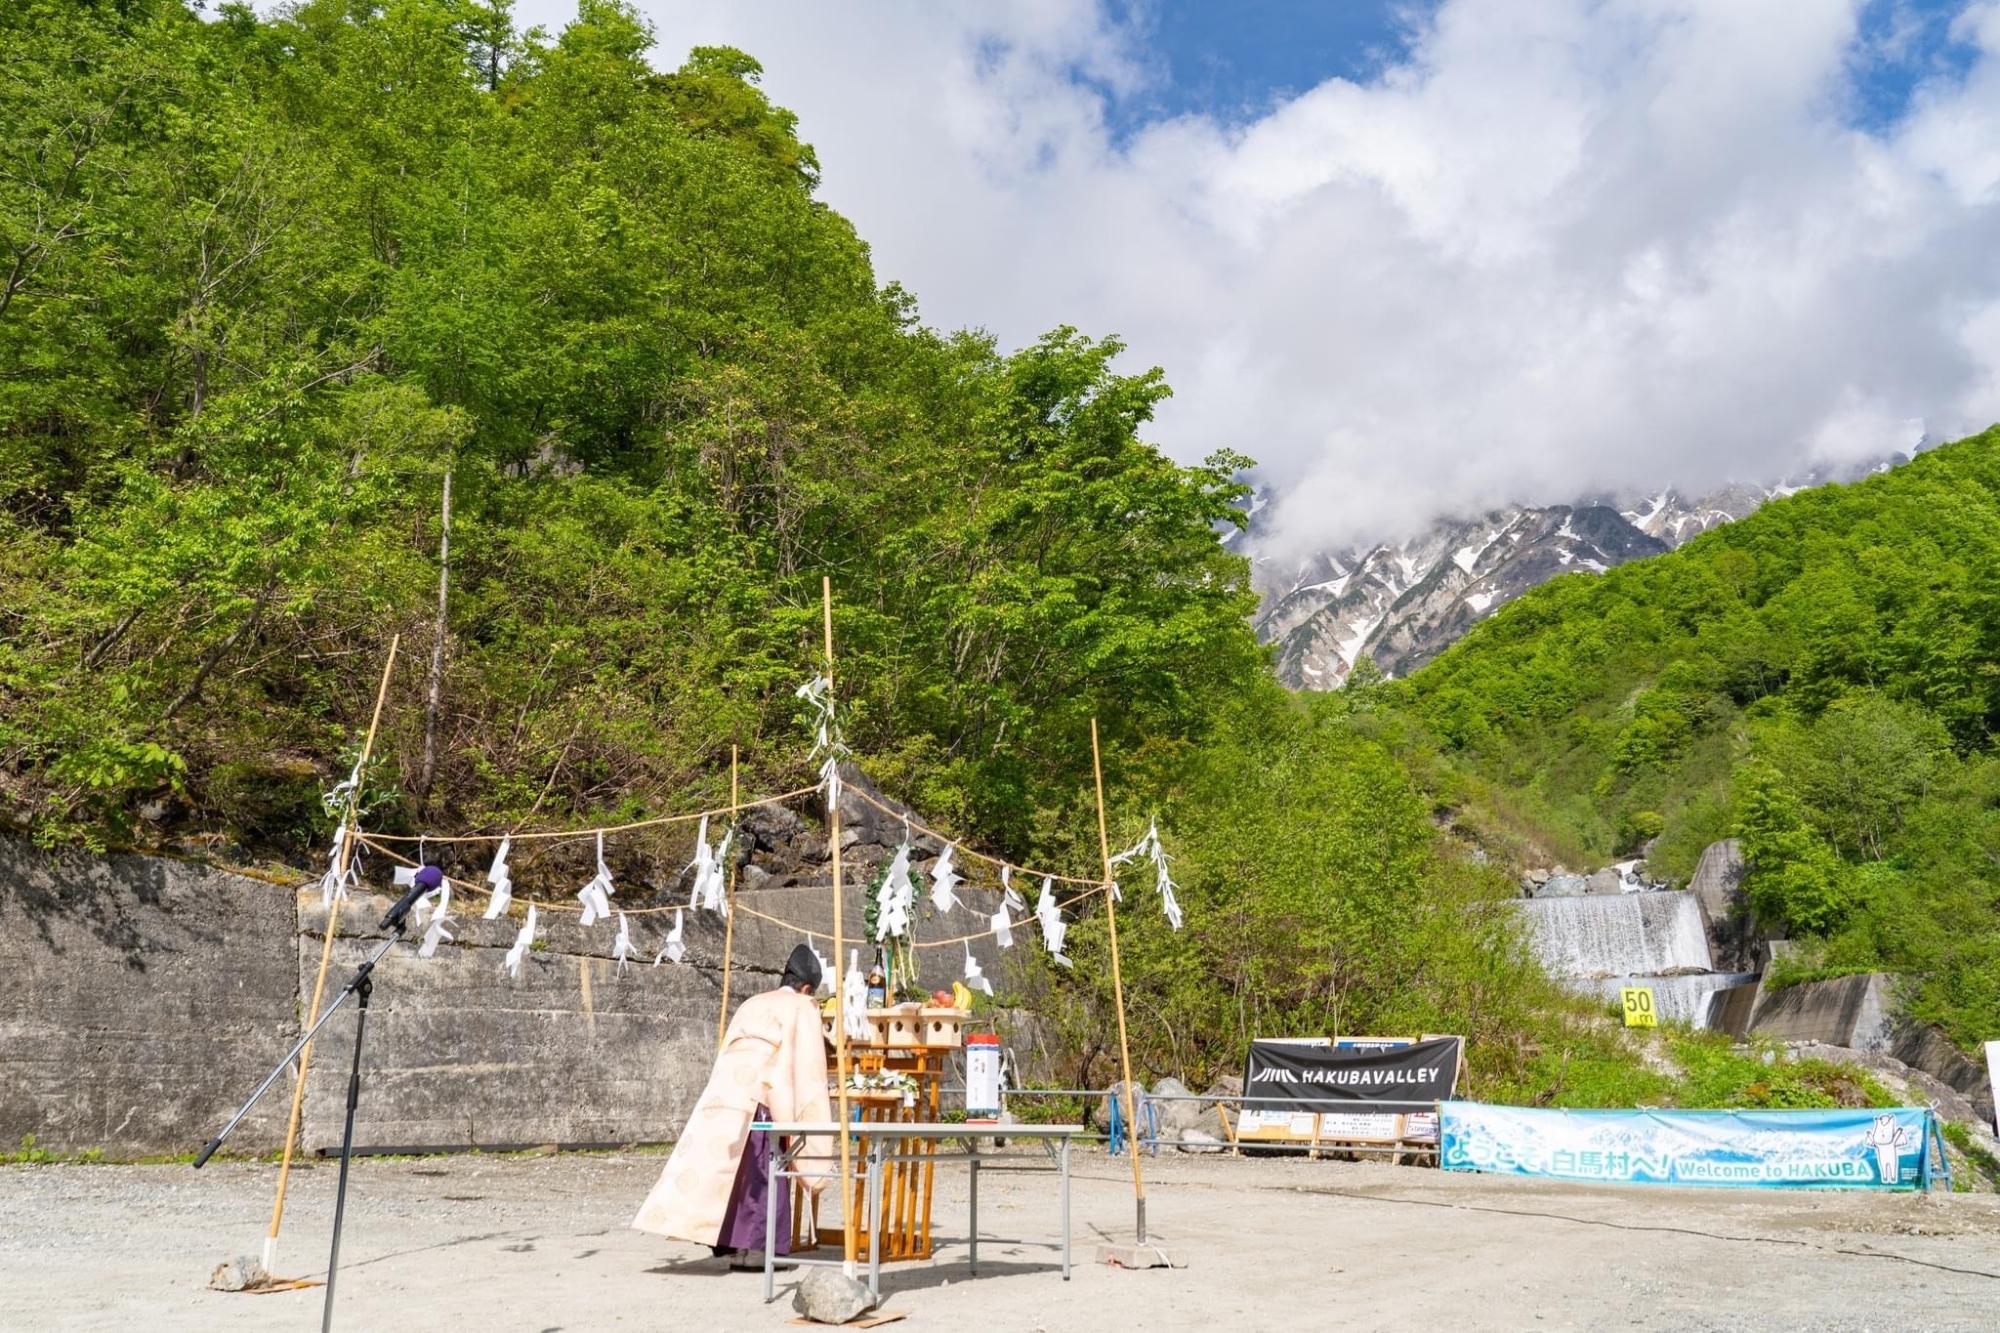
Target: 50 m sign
1639 1010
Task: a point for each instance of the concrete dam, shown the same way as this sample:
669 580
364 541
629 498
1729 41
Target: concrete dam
1599 943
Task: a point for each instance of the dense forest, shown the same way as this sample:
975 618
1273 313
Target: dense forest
273 284
367 319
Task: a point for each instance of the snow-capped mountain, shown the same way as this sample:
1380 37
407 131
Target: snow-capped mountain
1403 603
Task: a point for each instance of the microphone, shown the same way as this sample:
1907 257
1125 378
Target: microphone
425 880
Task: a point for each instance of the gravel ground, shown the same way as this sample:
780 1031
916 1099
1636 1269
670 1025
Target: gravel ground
496 1244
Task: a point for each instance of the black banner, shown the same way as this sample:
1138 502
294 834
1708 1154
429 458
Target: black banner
1291 1076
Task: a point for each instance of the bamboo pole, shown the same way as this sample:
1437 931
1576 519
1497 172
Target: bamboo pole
347 823
1118 985
728 922
847 1199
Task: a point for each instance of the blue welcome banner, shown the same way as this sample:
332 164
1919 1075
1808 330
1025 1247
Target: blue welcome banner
1864 1149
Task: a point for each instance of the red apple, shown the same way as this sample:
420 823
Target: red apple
941 999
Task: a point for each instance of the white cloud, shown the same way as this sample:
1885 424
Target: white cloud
1564 245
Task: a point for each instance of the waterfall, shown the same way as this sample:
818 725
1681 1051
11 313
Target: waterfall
1601 943
1649 934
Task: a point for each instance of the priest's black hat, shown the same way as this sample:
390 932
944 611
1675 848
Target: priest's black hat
802 968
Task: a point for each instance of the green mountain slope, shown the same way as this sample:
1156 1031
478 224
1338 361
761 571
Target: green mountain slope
1821 678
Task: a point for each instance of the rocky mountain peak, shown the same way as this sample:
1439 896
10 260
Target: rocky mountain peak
1403 603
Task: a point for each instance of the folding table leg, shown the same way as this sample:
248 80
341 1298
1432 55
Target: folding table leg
875 1233
1065 1208
771 1224
975 1215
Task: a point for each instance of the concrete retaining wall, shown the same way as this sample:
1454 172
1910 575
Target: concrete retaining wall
1856 1012
458 1053
141 999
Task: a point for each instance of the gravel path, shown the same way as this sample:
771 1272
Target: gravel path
494 1244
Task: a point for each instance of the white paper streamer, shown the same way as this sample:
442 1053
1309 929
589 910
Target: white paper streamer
621 947
829 779
710 882
511 964
1050 915
896 897
1151 848
825 968
945 877
974 978
719 880
342 798
818 695
1008 893
405 876
333 884
596 895
437 933
1165 884
675 950
698 890
1003 929
854 998
502 880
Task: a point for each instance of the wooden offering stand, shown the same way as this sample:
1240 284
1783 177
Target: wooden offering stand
910 1041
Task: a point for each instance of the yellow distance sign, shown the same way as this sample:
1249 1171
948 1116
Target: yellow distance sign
1639 1011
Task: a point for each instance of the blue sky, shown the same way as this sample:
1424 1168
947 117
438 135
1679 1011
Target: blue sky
1234 61
1902 43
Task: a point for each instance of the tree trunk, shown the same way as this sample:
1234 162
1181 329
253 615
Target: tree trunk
193 691
434 696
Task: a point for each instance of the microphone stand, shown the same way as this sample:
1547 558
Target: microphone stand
360 986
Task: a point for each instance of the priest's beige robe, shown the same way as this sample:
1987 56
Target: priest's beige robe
773 1054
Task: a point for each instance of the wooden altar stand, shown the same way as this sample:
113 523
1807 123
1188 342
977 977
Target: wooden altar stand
917 1044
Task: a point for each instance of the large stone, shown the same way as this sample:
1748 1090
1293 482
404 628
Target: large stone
828 1296
1604 881
1200 1141
1176 1117
1562 886
1121 1092
866 818
239 1274
141 1000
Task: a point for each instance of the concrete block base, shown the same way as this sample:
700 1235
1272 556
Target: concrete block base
1134 1256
